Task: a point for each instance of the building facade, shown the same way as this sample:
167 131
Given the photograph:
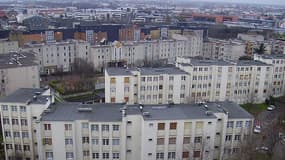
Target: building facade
8 46
18 70
113 131
20 112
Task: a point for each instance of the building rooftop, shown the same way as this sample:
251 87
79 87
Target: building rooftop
17 59
198 61
25 95
144 71
273 56
251 63
113 112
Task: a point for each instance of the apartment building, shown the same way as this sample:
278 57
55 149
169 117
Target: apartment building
146 85
137 53
278 47
221 49
244 81
59 56
20 112
277 61
152 132
18 70
8 46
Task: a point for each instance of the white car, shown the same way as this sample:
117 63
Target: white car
271 107
257 129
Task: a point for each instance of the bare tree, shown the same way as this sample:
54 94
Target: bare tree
82 67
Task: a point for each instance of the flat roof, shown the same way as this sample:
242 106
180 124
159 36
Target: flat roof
17 59
251 62
273 56
112 112
23 95
199 61
144 71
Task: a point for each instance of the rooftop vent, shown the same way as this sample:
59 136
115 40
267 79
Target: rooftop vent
37 93
141 107
147 114
209 113
35 98
86 109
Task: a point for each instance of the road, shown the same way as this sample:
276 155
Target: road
265 119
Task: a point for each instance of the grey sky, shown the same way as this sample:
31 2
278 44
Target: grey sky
275 2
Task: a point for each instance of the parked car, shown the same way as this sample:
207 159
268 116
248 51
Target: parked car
257 129
271 107
262 148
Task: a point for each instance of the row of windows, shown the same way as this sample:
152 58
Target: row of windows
172 155
24 122
95 141
238 124
94 127
14 108
150 79
155 88
18 147
16 134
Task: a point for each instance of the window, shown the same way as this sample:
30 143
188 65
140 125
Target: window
47 141
24 122
105 142
172 140
228 137
26 148
160 126
25 134
247 124
173 126
69 155
9 146
6 121
85 139
239 124
5 107
85 125
94 127
160 87
95 155
116 155
237 137
113 80
49 155
196 154
115 127
47 127
86 153
116 141
230 124
68 141
23 108
126 80
68 127
185 155
143 79
198 140
186 140
105 127
171 87
183 78
171 78
171 155
15 122
7 134
149 79
199 125
105 156
159 155
14 108
160 141
95 141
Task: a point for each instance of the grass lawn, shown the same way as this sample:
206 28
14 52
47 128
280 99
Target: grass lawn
254 109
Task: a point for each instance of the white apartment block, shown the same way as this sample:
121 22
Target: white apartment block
218 80
8 46
59 56
222 49
278 47
20 112
146 85
18 70
151 132
149 52
250 37
196 80
277 61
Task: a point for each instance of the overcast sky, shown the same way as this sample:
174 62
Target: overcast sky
275 2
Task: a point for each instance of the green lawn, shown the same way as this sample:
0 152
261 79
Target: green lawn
254 109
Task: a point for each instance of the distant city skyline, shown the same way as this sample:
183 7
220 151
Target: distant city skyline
270 2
